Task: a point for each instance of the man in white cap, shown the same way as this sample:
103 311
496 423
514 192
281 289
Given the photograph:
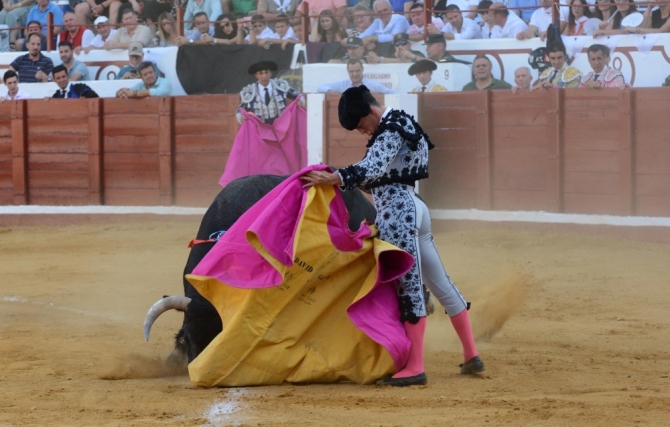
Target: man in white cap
105 31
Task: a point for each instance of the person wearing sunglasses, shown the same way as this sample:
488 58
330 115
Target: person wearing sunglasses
225 30
403 51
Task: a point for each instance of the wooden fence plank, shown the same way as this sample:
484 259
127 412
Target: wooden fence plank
166 150
19 153
95 162
554 135
484 151
626 153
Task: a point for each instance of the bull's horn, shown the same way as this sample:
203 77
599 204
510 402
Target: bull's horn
161 306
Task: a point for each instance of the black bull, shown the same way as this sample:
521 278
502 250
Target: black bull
201 320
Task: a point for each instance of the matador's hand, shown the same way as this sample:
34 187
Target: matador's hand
320 177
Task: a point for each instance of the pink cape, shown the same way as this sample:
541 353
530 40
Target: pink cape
274 220
277 149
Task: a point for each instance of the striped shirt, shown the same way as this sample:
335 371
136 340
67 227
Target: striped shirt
26 68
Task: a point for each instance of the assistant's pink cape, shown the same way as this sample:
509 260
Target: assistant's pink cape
277 149
273 222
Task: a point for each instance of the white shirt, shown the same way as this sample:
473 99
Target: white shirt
413 29
98 41
86 38
398 24
20 94
541 18
261 90
343 85
265 34
290 35
510 30
469 30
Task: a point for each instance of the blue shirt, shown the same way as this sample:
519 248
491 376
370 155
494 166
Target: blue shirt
163 87
40 16
525 13
26 68
399 5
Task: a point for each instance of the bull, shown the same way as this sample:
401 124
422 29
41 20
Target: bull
201 322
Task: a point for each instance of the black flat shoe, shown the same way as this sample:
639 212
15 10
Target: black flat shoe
403 382
472 366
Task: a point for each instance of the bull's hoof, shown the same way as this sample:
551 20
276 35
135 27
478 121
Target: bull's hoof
472 366
403 382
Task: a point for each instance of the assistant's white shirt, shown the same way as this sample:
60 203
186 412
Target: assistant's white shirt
541 18
342 85
398 24
469 30
290 35
20 94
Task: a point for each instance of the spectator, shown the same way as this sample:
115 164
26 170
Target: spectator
483 79
539 22
259 30
76 70
436 48
40 11
212 9
604 11
243 7
487 23
283 34
14 14
31 27
130 32
459 28
506 26
13 93
78 35
267 97
68 89
401 6
403 51
105 31
602 75
423 70
296 26
33 67
201 34
417 28
272 8
167 30
626 19
560 74
327 29
151 84
135 58
88 10
355 71
666 83
522 79
225 30
355 50
362 20
154 12
385 26
336 6
524 14
655 21
577 18
463 6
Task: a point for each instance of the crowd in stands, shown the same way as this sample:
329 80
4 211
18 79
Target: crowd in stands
359 26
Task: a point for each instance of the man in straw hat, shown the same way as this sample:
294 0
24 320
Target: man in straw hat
267 97
423 70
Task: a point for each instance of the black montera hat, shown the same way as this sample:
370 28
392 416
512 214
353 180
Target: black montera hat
435 38
353 107
262 66
421 66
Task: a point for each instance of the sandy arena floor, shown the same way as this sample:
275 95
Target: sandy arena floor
587 341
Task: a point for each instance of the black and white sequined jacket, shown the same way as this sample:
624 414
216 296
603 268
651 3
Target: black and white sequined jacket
397 153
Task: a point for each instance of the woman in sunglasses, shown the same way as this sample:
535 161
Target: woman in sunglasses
225 30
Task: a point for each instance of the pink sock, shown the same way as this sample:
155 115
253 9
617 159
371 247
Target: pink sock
415 333
461 324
